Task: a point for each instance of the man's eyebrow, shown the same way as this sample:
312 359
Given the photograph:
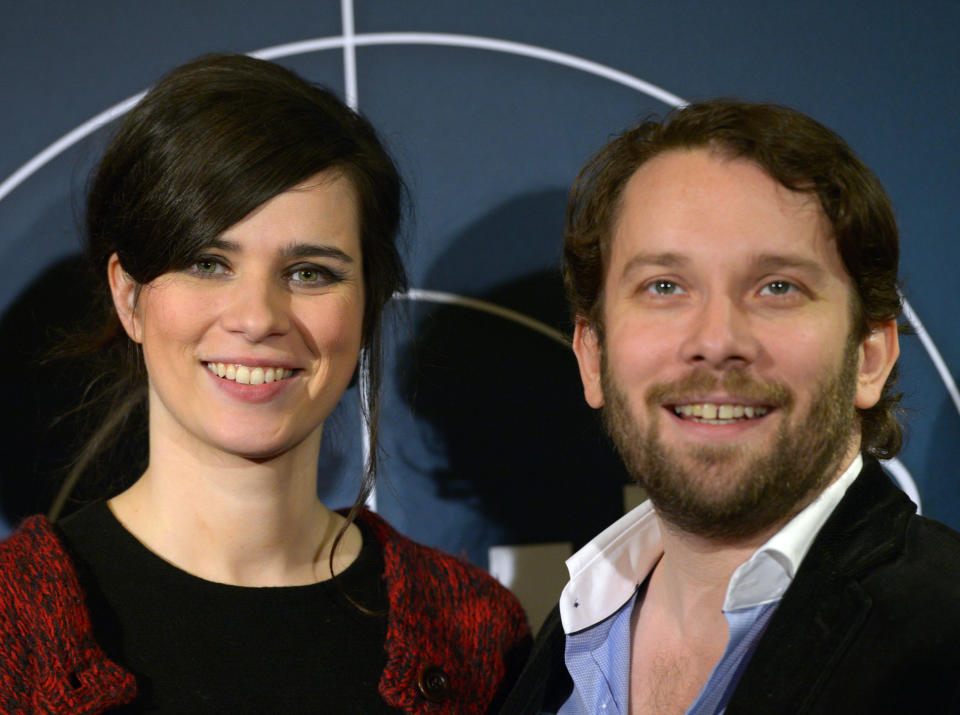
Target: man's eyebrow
775 261
665 260
292 250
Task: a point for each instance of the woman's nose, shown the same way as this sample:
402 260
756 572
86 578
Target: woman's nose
257 309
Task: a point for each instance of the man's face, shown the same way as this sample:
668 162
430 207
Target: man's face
727 373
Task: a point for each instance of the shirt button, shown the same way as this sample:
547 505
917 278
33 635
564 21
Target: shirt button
434 684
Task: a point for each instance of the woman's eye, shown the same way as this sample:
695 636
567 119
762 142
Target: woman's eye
664 287
778 288
313 275
208 266
304 275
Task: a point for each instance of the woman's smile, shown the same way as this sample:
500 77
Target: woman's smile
247 375
251 384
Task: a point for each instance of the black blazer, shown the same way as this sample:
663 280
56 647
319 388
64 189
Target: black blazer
870 624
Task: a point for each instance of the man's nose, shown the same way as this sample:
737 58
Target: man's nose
256 308
720 335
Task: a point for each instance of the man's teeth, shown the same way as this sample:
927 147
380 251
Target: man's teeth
248 375
719 414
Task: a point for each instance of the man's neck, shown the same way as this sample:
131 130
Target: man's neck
696 571
679 632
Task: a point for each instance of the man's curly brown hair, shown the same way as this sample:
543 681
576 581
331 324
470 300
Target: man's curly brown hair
797 151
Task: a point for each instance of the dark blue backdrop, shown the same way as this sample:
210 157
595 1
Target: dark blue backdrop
490 108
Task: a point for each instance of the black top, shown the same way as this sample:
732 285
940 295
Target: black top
202 647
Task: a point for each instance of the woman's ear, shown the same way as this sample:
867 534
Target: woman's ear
124 291
878 353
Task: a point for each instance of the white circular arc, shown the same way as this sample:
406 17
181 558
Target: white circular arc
341 41
65 142
483 306
938 362
443 39
481 43
902 477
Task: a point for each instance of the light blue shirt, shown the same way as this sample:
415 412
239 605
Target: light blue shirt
604 588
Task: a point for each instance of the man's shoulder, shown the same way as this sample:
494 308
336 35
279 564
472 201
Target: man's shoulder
876 530
873 605
933 537
926 568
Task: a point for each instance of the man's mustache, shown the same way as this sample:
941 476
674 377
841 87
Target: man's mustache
738 384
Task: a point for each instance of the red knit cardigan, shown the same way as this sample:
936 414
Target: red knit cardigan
455 637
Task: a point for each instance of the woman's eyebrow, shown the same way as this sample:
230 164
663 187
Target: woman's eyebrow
224 245
315 250
292 250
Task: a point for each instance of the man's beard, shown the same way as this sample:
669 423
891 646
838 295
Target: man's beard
733 491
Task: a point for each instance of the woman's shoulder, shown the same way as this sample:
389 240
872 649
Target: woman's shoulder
426 568
46 641
32 559
38 582
455 635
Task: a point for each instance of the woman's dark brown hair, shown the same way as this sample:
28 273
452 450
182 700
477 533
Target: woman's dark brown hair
210 142
797 151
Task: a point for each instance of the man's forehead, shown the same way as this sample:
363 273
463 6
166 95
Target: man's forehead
762 261
685 174
685 203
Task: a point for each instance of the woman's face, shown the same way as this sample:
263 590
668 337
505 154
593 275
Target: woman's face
249 349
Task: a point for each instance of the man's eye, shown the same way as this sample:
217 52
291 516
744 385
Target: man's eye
778 288
664 287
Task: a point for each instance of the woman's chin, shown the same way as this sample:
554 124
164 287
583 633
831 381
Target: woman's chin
254 448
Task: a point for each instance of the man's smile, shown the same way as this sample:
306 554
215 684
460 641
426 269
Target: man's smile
718 413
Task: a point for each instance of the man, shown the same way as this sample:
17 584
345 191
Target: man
732 273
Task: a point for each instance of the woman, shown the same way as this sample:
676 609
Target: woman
244 224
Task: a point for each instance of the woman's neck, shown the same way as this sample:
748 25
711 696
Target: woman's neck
235 520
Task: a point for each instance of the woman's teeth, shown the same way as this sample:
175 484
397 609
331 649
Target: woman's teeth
248 375
712 413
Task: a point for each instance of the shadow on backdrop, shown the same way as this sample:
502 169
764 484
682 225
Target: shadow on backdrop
509 430
44 431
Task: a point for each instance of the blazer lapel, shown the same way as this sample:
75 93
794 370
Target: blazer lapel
825 606
806 636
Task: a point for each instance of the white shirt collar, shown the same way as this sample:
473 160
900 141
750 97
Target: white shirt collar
765 576
606 572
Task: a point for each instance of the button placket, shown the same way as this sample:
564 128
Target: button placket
434 684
